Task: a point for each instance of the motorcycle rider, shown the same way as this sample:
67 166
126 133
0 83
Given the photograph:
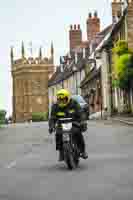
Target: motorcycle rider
67 107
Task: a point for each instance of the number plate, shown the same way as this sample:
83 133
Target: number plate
67 126
65 137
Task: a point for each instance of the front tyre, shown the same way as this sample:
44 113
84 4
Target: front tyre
68 157
76 154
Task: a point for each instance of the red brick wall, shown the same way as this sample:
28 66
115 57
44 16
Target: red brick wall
75 36
116 8
93 26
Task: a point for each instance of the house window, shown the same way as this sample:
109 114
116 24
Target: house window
122 32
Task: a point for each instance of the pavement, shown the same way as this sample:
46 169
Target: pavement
126 120
29 169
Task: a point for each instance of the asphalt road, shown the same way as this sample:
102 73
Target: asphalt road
29 169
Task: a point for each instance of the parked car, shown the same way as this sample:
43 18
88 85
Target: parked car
84 105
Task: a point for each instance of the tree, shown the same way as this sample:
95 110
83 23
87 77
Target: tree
121 48
37 117
123 68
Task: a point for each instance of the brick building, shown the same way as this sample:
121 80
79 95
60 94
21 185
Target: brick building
73 66
30 84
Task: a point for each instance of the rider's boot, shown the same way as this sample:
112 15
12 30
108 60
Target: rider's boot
84 155
61 155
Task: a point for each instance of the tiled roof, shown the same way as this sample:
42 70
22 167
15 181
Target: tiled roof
106 30
99 38
59 76
91 75
115 28
108 33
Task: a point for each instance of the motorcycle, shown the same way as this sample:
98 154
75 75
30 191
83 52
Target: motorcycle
70 149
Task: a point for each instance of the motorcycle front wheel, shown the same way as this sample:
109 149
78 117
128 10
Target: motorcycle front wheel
70 159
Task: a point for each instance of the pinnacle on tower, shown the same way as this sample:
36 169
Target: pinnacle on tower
22 50
95 14
52 52
52 49
90 15
11 54
40 52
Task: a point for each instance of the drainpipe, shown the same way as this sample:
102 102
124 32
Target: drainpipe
101 94
108 50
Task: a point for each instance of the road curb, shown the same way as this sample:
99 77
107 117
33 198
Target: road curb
123 121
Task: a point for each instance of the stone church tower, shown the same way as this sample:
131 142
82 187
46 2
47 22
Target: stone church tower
30 84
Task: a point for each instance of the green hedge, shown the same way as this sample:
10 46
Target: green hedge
2 117
37 117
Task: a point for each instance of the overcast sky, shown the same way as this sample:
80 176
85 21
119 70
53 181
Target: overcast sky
41 21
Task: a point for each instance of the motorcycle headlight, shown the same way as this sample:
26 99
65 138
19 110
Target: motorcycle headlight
66 126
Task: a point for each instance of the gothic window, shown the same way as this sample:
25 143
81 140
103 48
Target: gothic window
36 86
25 87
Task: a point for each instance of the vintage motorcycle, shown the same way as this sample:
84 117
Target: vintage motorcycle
70 148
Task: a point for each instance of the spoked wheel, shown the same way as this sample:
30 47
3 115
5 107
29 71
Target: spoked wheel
70 162
70 156
76 154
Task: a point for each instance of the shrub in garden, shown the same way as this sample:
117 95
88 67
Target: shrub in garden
2 116
37 117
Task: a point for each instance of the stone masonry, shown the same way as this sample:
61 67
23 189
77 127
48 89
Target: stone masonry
30 84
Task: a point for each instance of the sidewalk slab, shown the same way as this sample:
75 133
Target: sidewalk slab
128 121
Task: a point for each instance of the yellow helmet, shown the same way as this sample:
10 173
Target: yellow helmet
63 97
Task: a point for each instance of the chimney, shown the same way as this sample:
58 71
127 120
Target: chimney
75 36
117 7
93 26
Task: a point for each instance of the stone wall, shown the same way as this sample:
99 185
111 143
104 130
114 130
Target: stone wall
30 89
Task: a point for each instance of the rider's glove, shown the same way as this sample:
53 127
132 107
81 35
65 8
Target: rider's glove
50 130
83 127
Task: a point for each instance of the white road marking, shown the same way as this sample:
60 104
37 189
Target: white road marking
12 164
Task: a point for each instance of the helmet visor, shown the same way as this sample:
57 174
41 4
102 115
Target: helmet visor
62 101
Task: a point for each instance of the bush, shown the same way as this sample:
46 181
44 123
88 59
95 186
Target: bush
114 110
37 117
126 110
123 65
2 116
2 121
121 48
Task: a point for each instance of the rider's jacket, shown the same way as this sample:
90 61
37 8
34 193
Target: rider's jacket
72 110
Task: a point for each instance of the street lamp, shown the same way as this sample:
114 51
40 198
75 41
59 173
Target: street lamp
75 71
